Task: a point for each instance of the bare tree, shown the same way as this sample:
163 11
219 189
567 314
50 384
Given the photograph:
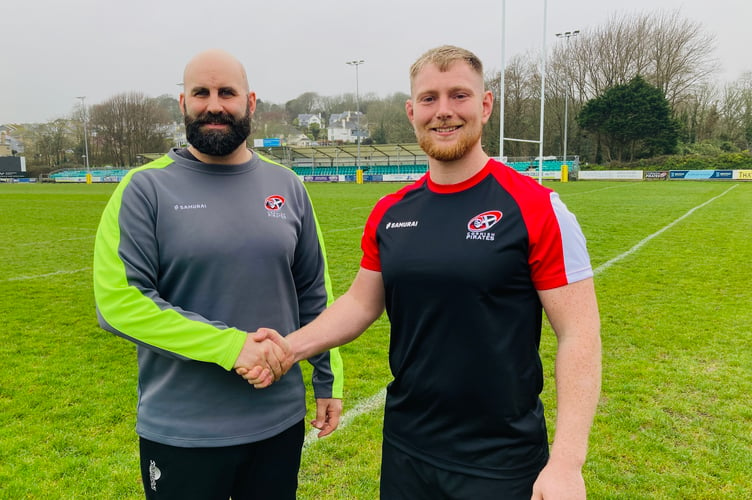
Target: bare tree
521 104
736 113
388 120
127 125
680 54
307 102
51 142
698 112
670 52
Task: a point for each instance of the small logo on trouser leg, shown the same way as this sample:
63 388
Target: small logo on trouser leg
154 475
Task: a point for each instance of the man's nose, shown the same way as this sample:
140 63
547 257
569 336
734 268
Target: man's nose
213 104
444 108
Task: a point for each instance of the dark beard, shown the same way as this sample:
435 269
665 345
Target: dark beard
218 142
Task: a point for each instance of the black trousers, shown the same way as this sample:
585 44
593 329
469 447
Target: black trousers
265 470
406 478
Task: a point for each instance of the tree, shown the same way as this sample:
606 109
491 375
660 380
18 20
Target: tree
306 103
698 114
521 107
672 53
269 120
633 119
668 51
735 124
314 129
171 106
388 120
127 125
490 138
679 52
51 143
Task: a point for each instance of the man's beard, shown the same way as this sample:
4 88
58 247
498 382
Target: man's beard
448 152
218 142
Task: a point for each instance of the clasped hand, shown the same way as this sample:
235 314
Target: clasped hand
265 357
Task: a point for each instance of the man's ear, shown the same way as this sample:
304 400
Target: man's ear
488 100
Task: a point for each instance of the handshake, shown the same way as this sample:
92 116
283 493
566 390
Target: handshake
265 357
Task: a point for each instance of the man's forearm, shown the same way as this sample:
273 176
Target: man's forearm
339 324
578 382
348 317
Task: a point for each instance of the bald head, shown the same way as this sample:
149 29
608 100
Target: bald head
216 65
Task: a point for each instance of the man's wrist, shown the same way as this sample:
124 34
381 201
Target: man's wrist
566 459
235 348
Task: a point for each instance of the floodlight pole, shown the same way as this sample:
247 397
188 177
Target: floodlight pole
86 139
566 35
357 63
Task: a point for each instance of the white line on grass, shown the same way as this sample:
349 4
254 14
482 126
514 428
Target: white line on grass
374 402
377 400
569 195
22 278
343 229
642 242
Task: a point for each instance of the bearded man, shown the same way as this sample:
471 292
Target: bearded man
193 251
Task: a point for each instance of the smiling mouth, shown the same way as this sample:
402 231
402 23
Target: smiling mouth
446 129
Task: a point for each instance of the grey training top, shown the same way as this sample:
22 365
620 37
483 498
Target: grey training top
188 258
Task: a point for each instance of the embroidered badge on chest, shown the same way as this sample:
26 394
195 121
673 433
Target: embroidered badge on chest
274 204
479 225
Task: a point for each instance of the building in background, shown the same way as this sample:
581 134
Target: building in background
306 120
343 127
9 146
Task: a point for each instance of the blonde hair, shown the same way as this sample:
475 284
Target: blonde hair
443 57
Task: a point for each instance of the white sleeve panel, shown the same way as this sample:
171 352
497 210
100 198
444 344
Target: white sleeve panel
576 257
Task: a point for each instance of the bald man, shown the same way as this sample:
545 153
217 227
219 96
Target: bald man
193 251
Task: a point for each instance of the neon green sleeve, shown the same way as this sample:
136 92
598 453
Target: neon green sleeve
127 301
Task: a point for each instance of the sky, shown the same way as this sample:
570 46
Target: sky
54 52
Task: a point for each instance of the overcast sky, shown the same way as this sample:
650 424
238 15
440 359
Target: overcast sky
54 51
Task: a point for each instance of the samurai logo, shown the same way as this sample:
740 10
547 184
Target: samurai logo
274 202
484 221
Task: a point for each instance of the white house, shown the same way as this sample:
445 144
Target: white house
299 140
343 127
305 120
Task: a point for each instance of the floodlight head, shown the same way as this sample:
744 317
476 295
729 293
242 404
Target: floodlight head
568 34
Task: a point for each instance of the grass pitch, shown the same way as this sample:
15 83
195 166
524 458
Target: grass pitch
673 270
